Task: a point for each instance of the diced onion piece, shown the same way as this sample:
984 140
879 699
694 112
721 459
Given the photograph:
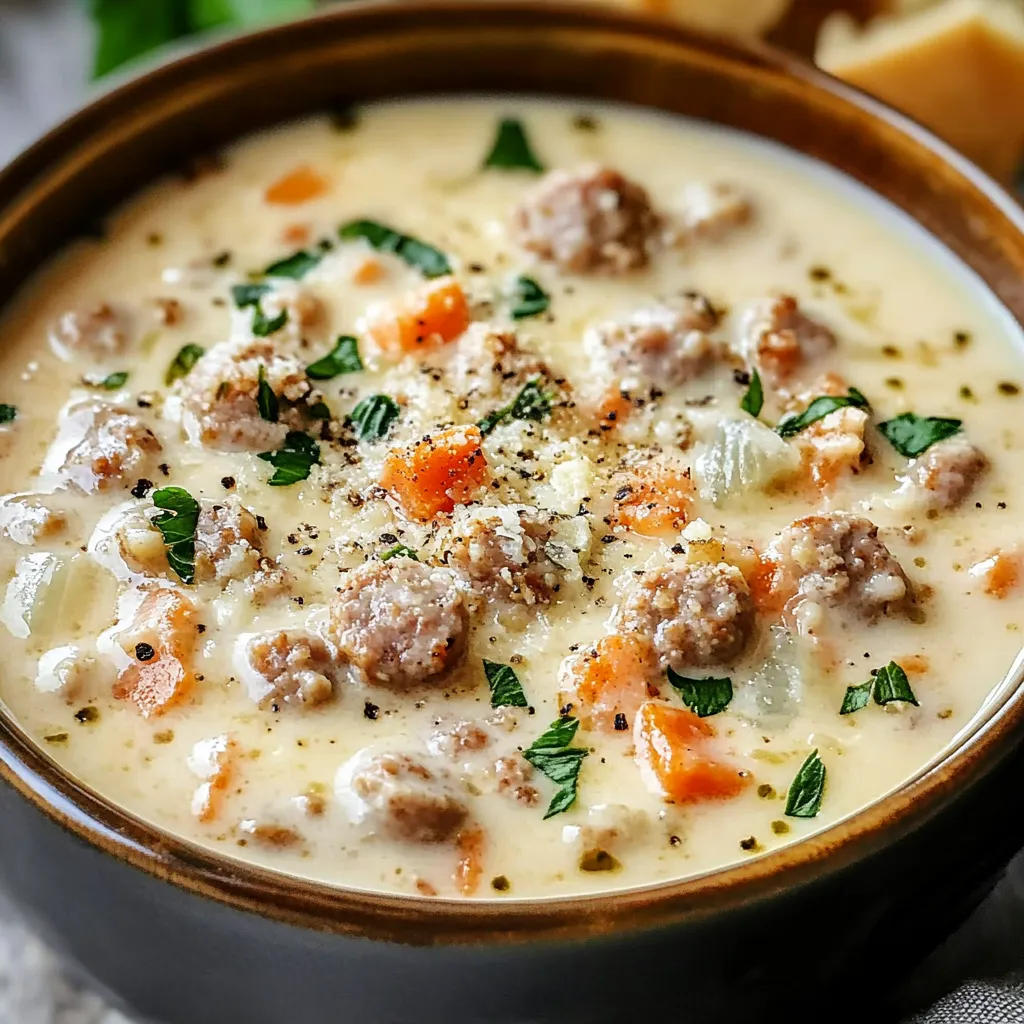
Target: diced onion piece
35 593
743 456
771 697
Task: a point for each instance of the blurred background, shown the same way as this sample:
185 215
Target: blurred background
955 65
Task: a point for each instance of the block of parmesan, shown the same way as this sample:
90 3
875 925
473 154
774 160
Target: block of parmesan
956 66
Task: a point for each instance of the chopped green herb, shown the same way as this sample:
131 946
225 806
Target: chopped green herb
319 411
753 400
343 358
293 461
912 435
263 326
8 413
296 266
530 404
511 149
506 690
857 697
397 551
807 789
111 382
181 365
373 417
819 409
551 755
266 400
178 524
703 696
886 685
252 295
429 261
248 294
528 299
891 684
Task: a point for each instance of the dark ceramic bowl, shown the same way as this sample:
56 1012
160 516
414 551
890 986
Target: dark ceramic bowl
183 936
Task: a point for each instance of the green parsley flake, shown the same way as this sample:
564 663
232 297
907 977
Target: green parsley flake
294 460
912 435
181 365
511 149
506 690
818 410
703 696
343 358
531 403
177 523
429 261
753 400
551 755
373 417
528 299
807 789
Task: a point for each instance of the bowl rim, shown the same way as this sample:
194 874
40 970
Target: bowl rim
270 893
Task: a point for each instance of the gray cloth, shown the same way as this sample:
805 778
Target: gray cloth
44 47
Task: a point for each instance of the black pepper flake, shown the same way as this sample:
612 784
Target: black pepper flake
142 488
144 652
750 843
1007 387
962 339
227 482
305 550
674 841
87 714
388 538
621 725
609 538
677 549
1000 504
500 884
742 377
222 259
261 523
144 403
819 273
589 581
165 469
370 711
765 791
57 737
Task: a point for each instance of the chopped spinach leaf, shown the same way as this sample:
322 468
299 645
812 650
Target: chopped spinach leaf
266 400
506 690
178 524
293 461
551 755
399 550
753 400
429 261
791 425
703 696
373 417
531 403
511 149
857 698
181 365
886 685
248 294
8 413
913 435
891 684
343 358
807 789
296 266
528 299
263 326
126 29
112 382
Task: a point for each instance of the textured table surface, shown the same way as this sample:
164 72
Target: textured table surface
975 978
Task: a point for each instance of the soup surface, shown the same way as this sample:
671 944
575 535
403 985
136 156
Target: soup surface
505 499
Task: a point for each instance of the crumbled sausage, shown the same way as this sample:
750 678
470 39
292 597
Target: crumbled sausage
27 521
228 542
592 219
168 312
116 449
944 475
779 339
666 344
458 740
288 666
693 614
269 834
514 774
510 551
268 582
400 622
838 559
219 396
98 332
399 796
712 210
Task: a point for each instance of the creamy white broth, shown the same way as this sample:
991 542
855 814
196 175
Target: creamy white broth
915 333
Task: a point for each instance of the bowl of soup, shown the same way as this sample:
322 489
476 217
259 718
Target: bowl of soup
510 515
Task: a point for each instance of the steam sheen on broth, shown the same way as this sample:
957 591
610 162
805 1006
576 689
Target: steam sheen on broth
505 499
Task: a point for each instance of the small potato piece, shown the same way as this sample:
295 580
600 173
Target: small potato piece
676 757
944 475
297 187
712 210
434 315
27 521
436 473
98 332
400 797
607 683
161 642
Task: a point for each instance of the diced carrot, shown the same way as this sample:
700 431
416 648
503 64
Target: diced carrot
470 866
1000 573
672 752
296 234
213 761
614 409
436 473
161 642
296 187
369 271
432 315
654 501
765 589
608 680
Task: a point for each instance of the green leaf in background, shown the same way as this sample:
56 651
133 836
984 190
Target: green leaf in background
205 14
126 29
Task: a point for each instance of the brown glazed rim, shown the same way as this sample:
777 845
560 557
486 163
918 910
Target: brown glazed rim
375 50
